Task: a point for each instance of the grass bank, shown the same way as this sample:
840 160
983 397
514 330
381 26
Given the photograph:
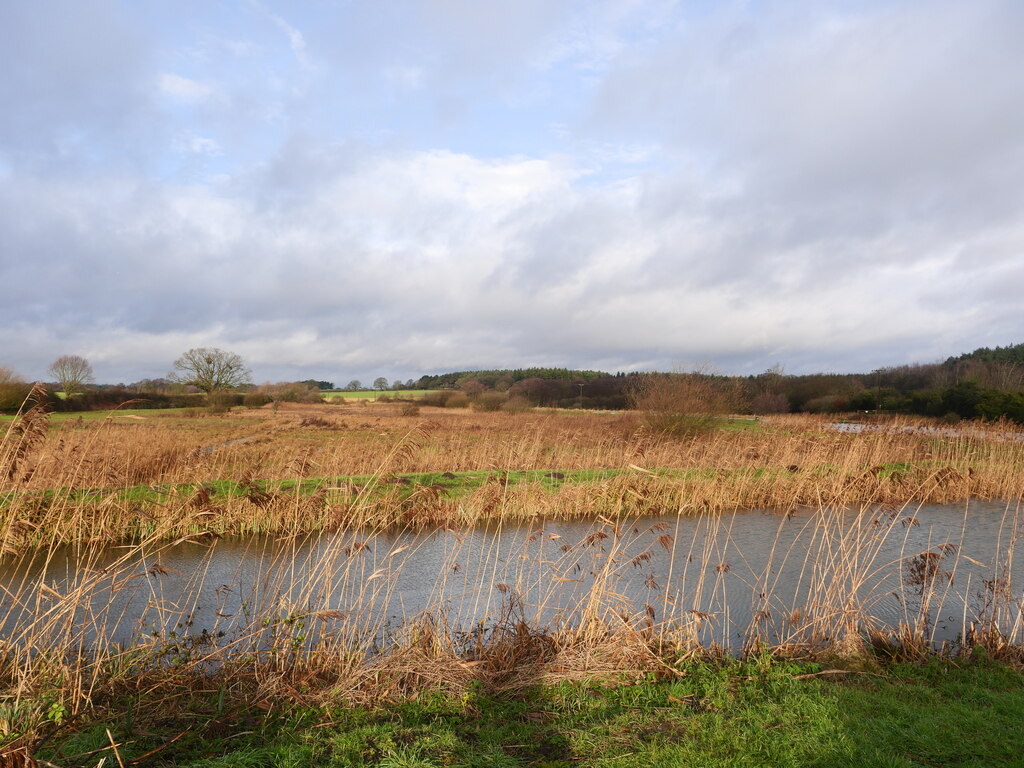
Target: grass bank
758 712
45 517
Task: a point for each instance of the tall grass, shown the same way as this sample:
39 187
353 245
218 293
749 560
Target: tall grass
127 478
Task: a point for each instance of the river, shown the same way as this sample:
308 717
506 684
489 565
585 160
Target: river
723 577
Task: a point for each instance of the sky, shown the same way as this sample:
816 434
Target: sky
339 190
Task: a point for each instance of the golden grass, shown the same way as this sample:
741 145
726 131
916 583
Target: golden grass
788 462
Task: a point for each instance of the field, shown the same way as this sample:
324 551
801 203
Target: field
405 394
122 490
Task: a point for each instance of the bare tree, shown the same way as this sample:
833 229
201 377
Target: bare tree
72 372
210 370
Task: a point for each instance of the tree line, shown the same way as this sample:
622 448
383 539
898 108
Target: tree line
987 383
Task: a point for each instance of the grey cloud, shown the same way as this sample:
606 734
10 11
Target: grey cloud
343 273
74 88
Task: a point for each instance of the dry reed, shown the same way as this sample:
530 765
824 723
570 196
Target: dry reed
122 479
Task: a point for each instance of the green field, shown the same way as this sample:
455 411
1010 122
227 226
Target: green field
373 394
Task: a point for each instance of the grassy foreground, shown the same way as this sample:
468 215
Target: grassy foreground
761 712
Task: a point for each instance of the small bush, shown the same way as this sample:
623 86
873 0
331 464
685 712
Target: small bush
222 402
256 399
457 401
437 399
291 392
516 405
684 404
489 401
13 390
768 402
409 409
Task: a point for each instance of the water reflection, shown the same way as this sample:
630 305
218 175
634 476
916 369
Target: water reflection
724 578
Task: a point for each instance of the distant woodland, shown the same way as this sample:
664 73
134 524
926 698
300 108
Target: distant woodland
987 383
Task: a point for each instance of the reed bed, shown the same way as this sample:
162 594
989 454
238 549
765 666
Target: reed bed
320 468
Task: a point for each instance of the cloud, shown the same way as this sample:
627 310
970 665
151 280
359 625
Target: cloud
184 89
405 76
296 40
405 262
198 145
74 86
615 185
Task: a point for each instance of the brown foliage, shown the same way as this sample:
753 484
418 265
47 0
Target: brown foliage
684 404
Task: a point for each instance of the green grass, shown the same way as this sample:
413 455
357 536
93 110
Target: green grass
449 483
739 424
339 488
757 713
374 394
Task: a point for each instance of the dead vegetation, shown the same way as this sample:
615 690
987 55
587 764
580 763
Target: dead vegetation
76 481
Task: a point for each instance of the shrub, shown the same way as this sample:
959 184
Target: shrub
828 404
409 409
291 392
222 402
437 399
684 404
516 405
13 390
105 398
472 387
457 401
489 401
768 402
256 399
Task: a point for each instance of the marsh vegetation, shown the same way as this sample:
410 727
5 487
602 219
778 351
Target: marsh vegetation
326 554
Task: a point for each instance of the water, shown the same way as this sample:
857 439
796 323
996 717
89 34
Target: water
721 577
857 427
